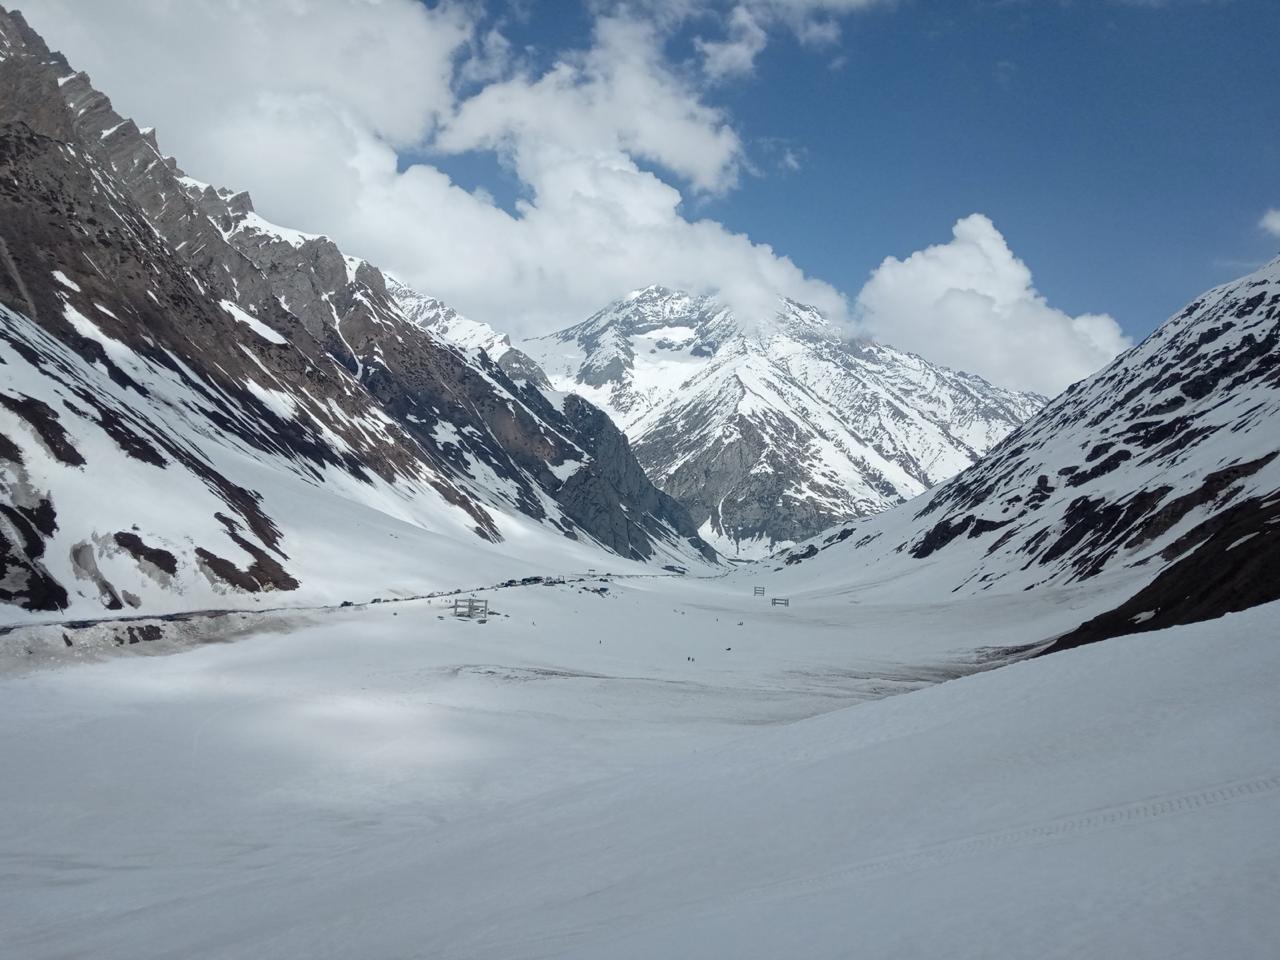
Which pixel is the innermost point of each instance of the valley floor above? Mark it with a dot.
(668, 768)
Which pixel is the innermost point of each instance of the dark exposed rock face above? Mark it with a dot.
(27, 519)
(141, 308)
(1233, 568)
(614, 490)
(770, 430)
(1167, 462)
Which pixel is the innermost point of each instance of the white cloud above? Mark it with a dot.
(971, 304)
(617, 97)
(1270, 222)
(736, 54)
(306, 104)
(490, 58)
(597, 227)
(802, 15)
(732, 33)
(196, 63)
(748, 24)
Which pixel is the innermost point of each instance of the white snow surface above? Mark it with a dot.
(253, 323)
(251, 222)
(563, 781)
(66, 281)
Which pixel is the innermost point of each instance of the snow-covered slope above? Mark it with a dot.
(770, 429)
(199, 407)
(446, 323)
(1164, 466)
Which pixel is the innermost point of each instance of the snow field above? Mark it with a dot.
(564, 781)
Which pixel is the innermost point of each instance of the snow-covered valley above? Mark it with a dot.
(851, 654)
(563, 780)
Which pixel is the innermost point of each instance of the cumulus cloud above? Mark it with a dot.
(740, 29)
(735, 55)
(616, 97)
(388, 64)
(1270, 222)
(971, 304)
(312, 104)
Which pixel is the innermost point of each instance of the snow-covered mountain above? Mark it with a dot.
(770, 429)
(1161, 472)
(198, 406)
(447, 324)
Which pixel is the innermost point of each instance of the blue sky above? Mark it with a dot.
(1125, 150)
(1016, 188)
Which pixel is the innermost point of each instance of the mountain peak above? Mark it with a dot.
(654, 291)
(677, 315)
(770, 428)
(447, 324)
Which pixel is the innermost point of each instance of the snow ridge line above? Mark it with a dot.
(1063, 828)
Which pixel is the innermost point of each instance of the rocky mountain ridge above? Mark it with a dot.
(158, 335)
(447, 324)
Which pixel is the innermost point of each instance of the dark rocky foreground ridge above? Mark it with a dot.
(176, 371)
(1162, 469)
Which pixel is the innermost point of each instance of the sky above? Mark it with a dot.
(1017, 188)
